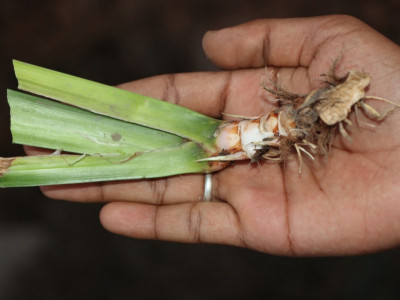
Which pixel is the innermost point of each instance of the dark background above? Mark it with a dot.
(58, 250)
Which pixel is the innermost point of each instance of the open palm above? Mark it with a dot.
(345, 204)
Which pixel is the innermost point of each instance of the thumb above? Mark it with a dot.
(275, 42)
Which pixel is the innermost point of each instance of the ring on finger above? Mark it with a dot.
(207, 187)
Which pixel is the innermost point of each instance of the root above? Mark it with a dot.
(331, 77)
(282, 95)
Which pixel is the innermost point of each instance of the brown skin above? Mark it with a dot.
(348, 204)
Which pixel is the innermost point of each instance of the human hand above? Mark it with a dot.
(347, 204)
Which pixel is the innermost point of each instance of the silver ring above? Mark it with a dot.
(207, 187)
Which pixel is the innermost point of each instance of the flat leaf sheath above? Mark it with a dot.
(49, 124)
(118, 103)
(67, 169)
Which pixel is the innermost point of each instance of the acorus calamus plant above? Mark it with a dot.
(103, 133)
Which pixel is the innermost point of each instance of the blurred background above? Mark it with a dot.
(58, 250)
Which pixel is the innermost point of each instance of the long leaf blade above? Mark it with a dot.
(67, 169)
(48, 124)
(117, 103)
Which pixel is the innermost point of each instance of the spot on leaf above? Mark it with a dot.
(116, 137)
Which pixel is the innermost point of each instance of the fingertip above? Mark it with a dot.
(210, 39)
(108, 216)
(129, 219)
(209, 35)
(206, 42)
(239, 46)
(116, 217)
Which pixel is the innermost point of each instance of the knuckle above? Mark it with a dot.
(194, 223)
(224, 92)
(170, 92)
(159, 188)
(101, 192)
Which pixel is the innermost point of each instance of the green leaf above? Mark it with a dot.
(48, 124)
(118, 103)
(66, 169)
